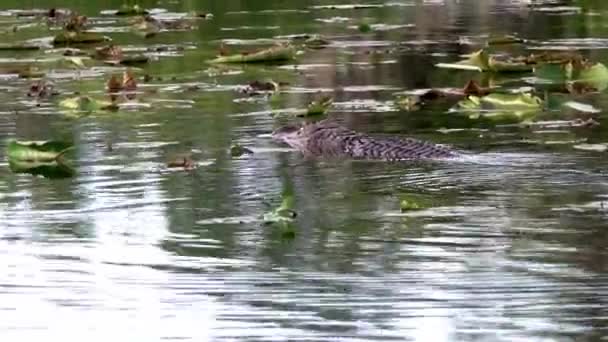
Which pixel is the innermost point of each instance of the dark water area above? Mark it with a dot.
(512, 247)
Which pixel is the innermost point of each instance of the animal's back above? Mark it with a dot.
(332, 139)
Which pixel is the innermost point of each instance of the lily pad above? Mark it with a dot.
(319, 107)
(272, 54)
(39, 158)
(575, 75)
(502, 106)
(87, 104)
(73, 37)
(237, 150)
(126, 10)
(283, 214)
(483, 62)
(19, 47)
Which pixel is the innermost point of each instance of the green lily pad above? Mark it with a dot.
(73, 37)
(19, 47)
(86, 104)
(483, 62)
(283, 214)
(129, 60)
(273, 54)
(502, 106)
(579, 76)
(39, 158)
(131, 10)
(237, 150)
(319, 107)
(505, 40)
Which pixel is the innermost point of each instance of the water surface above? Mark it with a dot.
(513, 247)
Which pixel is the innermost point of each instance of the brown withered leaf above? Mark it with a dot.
(472, 88)
(114, 84)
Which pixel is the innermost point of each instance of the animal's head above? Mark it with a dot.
(290, 135)
(297, 136)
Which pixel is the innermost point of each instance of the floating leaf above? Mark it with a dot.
(272, 54)
(364, 27)
(237, 150)
(39, 158)
(406, 205)
(71, 37)
(131, 10)
(482, 61)
(595, 75)
(86, 104)
(77, 61)
(579, 77)
(504, 40)
(592, 147)
(319, 107)
(501, 106)
(283, 214)
(414, 201)
(19, 47)
(182, 161)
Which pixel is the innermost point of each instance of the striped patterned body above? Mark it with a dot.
(330, 139)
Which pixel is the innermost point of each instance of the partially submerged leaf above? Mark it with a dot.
(261, 87)
(18, 47)
(592, 147)
(37, 151)
(482, 61)
(502, 106)
(41, 89)
(52, 170)
(319, 107)
(237, 150)
(504, 40)
(86, 104)
(182, 161)
(131, 10)
(579, 77)
(72, 37)
(272, 54)
(283, 214)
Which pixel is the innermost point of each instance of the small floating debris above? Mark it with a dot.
(272, 54)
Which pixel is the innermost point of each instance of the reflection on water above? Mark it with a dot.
(512, 248)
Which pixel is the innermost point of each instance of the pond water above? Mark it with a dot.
(512, 246)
